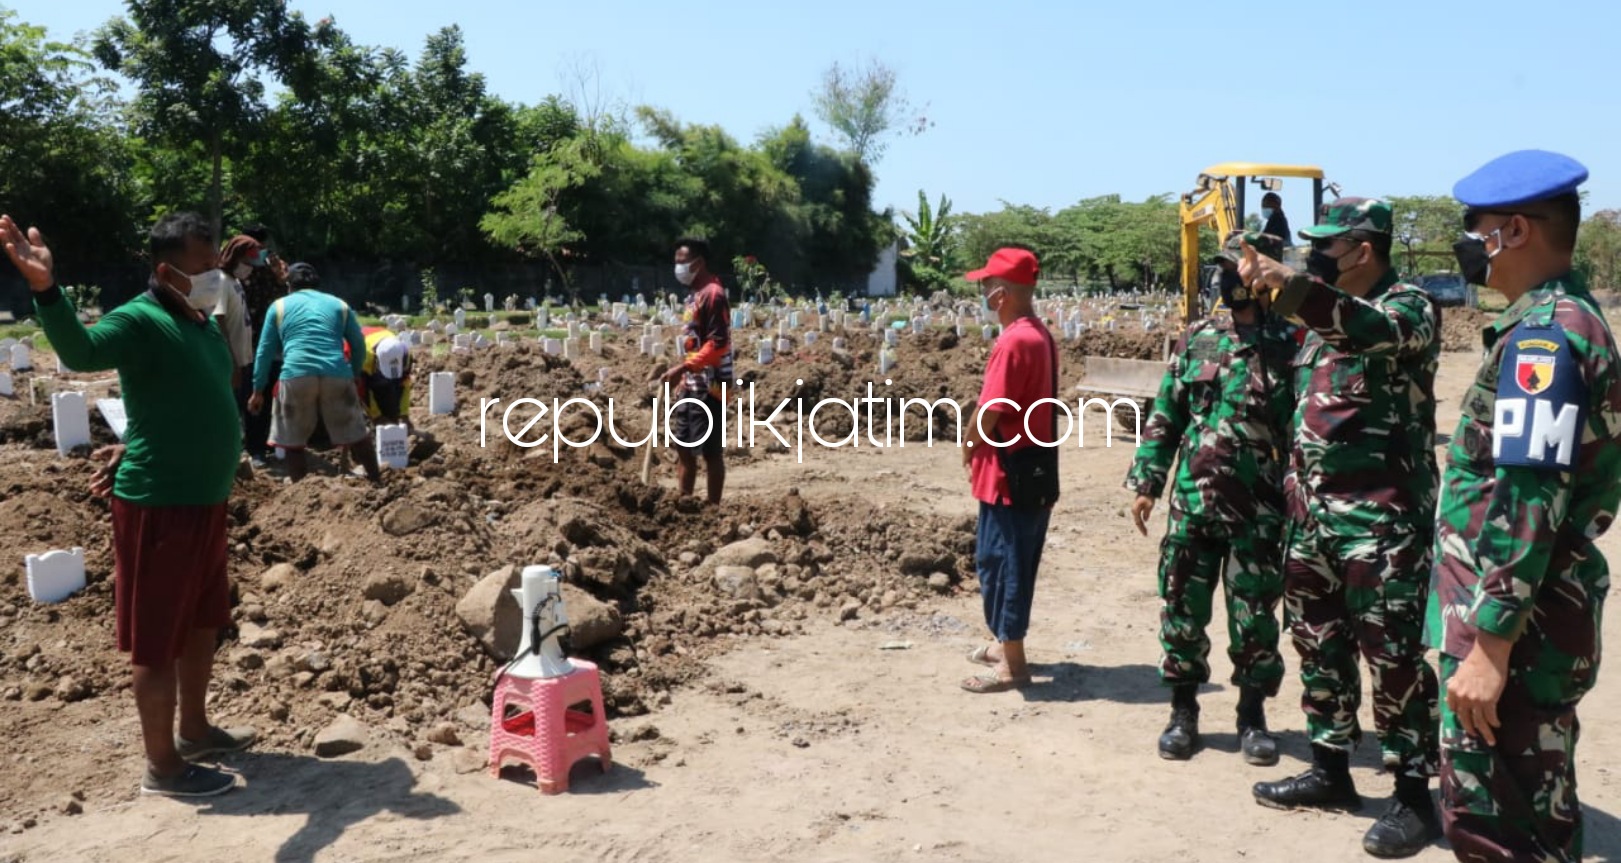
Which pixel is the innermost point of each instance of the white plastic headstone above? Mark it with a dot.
(529, 303)
(112, 410)
(596, 343)
(793, 320)
(838, 343)
(765, 352)
(571, 349)
(71, 418)
(989, 332)
(461, 342)
(461, 318)
(481, 341)
(489, 302)
(6, 344)
(392, 446)
(659, 350)
(19, 358)
(441, 393)
(810, 337)
(553, 346)
(55, 575)
(5, 384)
(543, 317)
(504, 339)
(452, 329)
(784, 346)
(886, 361)
(891, 338)
(573, 329)
(647, 345)
(436, 327)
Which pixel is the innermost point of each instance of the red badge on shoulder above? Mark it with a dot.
(1533, 373)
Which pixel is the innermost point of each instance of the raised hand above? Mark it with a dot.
(29, 254)
(1261, 273)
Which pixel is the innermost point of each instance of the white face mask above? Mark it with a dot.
(684, 274)
(206, 288)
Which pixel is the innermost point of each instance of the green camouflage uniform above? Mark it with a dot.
(1361, 488)
(1222, 414)
(1516, 558)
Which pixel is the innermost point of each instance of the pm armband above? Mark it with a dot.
(1541, 401)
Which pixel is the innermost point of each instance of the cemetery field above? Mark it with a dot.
(780, 672)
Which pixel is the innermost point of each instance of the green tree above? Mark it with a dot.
(1426, 226)
(529, 217)
(863, 105)
(69, 167)
(1598, 250)
(931, 241)
(200, 67)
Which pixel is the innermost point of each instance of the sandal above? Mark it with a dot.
(986, 683)
(981, 655)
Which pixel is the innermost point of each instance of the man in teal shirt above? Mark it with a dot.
(168, 487)
(309, 328)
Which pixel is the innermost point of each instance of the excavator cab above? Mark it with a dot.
(1218, 200)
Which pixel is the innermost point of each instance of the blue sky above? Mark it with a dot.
(1046, 103)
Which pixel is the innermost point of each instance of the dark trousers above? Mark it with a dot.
(256, 428)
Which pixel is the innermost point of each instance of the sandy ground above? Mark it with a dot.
(828, 747)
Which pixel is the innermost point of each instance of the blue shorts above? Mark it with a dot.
(1007, 555)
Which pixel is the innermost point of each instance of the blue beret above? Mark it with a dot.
(1520, 178)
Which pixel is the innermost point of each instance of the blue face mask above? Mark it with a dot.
(1266, 214)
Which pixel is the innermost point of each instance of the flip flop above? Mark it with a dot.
(981, 655)
(991, 683)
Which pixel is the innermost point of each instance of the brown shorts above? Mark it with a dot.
(302, 402)
(169, 566)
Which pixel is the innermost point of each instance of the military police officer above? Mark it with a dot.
(1223, 414)
(1533, 478)
(1361, 489)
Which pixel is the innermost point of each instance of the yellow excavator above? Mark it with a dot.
(1218, 200)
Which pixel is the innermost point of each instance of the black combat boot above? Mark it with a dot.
(1181, 736)
(1327, 785)
(1408, 825)
(1259, 747)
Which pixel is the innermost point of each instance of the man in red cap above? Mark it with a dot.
(1011, 453)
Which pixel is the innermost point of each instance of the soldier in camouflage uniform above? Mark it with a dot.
(1533, 479)
(1361, 490)
(1223, 414)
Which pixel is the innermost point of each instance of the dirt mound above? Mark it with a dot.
(1461, 329)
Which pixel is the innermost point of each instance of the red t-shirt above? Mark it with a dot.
(1020, 370)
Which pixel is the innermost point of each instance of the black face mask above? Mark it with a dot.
(1324, 267)
(1473, 260)
(1233, 293)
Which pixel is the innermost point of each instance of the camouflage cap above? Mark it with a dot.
(1351, 214)
(1266, 244)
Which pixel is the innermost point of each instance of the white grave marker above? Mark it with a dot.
(71, 417)
(765, 352)
(489, 303)
(392, 446)
(571, 348)
(112, 410)
(461, 342)
(55, 575)
(19, 358)
(596, 343)
(5, 384)
(441, 393)
(553, 346)
(461, 318)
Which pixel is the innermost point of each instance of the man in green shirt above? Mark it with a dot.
(168, 486)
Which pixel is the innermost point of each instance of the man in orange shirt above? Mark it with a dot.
(706, 343)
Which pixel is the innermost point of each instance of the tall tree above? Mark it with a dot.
(529, 216)
(1426, 227)
(863, 105)
(199, 67)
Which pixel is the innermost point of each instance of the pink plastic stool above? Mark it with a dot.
(547, 735)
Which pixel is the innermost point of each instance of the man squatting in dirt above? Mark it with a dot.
(168, 484)
(1361, 490)
(1533, 479)
(1222, 414)
(706, 345)
(1022, 370)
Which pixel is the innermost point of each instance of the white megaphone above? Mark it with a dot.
(541, 602)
